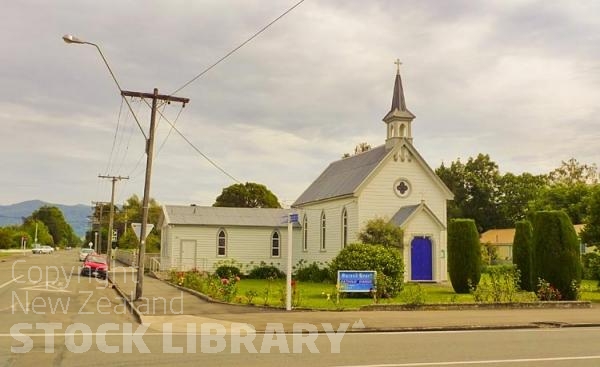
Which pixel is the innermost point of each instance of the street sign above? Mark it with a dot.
(294, 218)
(137, 228)
(114, 235)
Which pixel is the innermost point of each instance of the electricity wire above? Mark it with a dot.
(237, 48)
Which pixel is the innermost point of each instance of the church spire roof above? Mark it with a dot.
(398, 108)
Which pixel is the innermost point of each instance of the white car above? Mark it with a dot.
(84, 252)
(42, 250)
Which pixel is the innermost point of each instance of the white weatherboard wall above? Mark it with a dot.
(333, 214)
(195, 246)
(377, 197)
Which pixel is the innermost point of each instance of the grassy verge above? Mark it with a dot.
(324, 296)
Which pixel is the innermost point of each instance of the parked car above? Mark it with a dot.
(42, 250)
(84, 252)
(94, 265)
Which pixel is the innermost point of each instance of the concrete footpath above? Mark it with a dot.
(163, 303)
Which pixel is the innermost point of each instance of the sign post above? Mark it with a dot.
(288, 279)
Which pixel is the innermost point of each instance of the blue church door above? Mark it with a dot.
(421, 259)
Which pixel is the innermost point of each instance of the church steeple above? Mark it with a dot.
(399, 119)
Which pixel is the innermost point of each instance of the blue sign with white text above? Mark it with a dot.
(356, 280)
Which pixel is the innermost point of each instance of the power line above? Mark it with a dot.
(237, 48)
(196, 149)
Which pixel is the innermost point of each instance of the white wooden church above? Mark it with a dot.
(391, 181)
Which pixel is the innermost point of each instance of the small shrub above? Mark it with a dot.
(311, 273)
(591, 266)
(546, 292)
(227, 271)
(413, 295)
(501, 284)
(264, 271)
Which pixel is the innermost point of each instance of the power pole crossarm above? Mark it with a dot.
(162, 97)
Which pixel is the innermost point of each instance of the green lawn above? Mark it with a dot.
(323, 295)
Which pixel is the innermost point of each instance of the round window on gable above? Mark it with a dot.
(402, 188)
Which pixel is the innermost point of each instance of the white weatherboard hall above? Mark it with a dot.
(391, 181)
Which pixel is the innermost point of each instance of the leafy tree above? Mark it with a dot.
(379, 231)
(572, 172)
(475, 185)
(6, 235)
(590, 235)
(523, 254)
(43, 233)
(61, 231)
(572, 199)
(386, 261)
(464, 254)
(248, 195)
(556, 252)
(515, 194)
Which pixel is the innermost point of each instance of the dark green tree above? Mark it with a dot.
(523, 254)
(464, 254)
(379, 231)
(475, 185)
(61, 231)
(248, 195)
(515, 193)
(570, 198)
(556, 252)
(590, 235)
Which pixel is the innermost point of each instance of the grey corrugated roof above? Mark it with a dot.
(219, 216)
(343, 177)
(403, 214)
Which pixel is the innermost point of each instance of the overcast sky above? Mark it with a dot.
(519, 80)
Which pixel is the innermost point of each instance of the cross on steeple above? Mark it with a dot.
(398, 63)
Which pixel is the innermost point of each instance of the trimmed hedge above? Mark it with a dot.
(464, 255)
(523, 254)
(386, 261)
(264, 271)
(556, 252)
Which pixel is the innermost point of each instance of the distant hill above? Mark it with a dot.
(75, 215)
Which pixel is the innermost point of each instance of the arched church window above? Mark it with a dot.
(275, 244)
(221, 243)
(305, 233)
(344, 227)
(323, 232)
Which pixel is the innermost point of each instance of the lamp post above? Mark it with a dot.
(149, 151)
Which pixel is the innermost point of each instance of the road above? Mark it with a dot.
(49, 316)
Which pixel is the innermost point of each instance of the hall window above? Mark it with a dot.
(275, 244)
(221, 243)
(323, 232)
(344, 228)
(305, 233)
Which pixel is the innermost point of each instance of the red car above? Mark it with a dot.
(94, 265)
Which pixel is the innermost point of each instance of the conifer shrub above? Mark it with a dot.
(386, 261)
(556, 252)
(464, 254)
(523, 254)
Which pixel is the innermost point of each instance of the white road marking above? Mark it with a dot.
(491, 361)
(48, 287)
(12, 280)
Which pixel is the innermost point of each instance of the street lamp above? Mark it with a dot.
(69, 38)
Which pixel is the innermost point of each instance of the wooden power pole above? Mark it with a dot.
(149, 153)
(111, 217)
